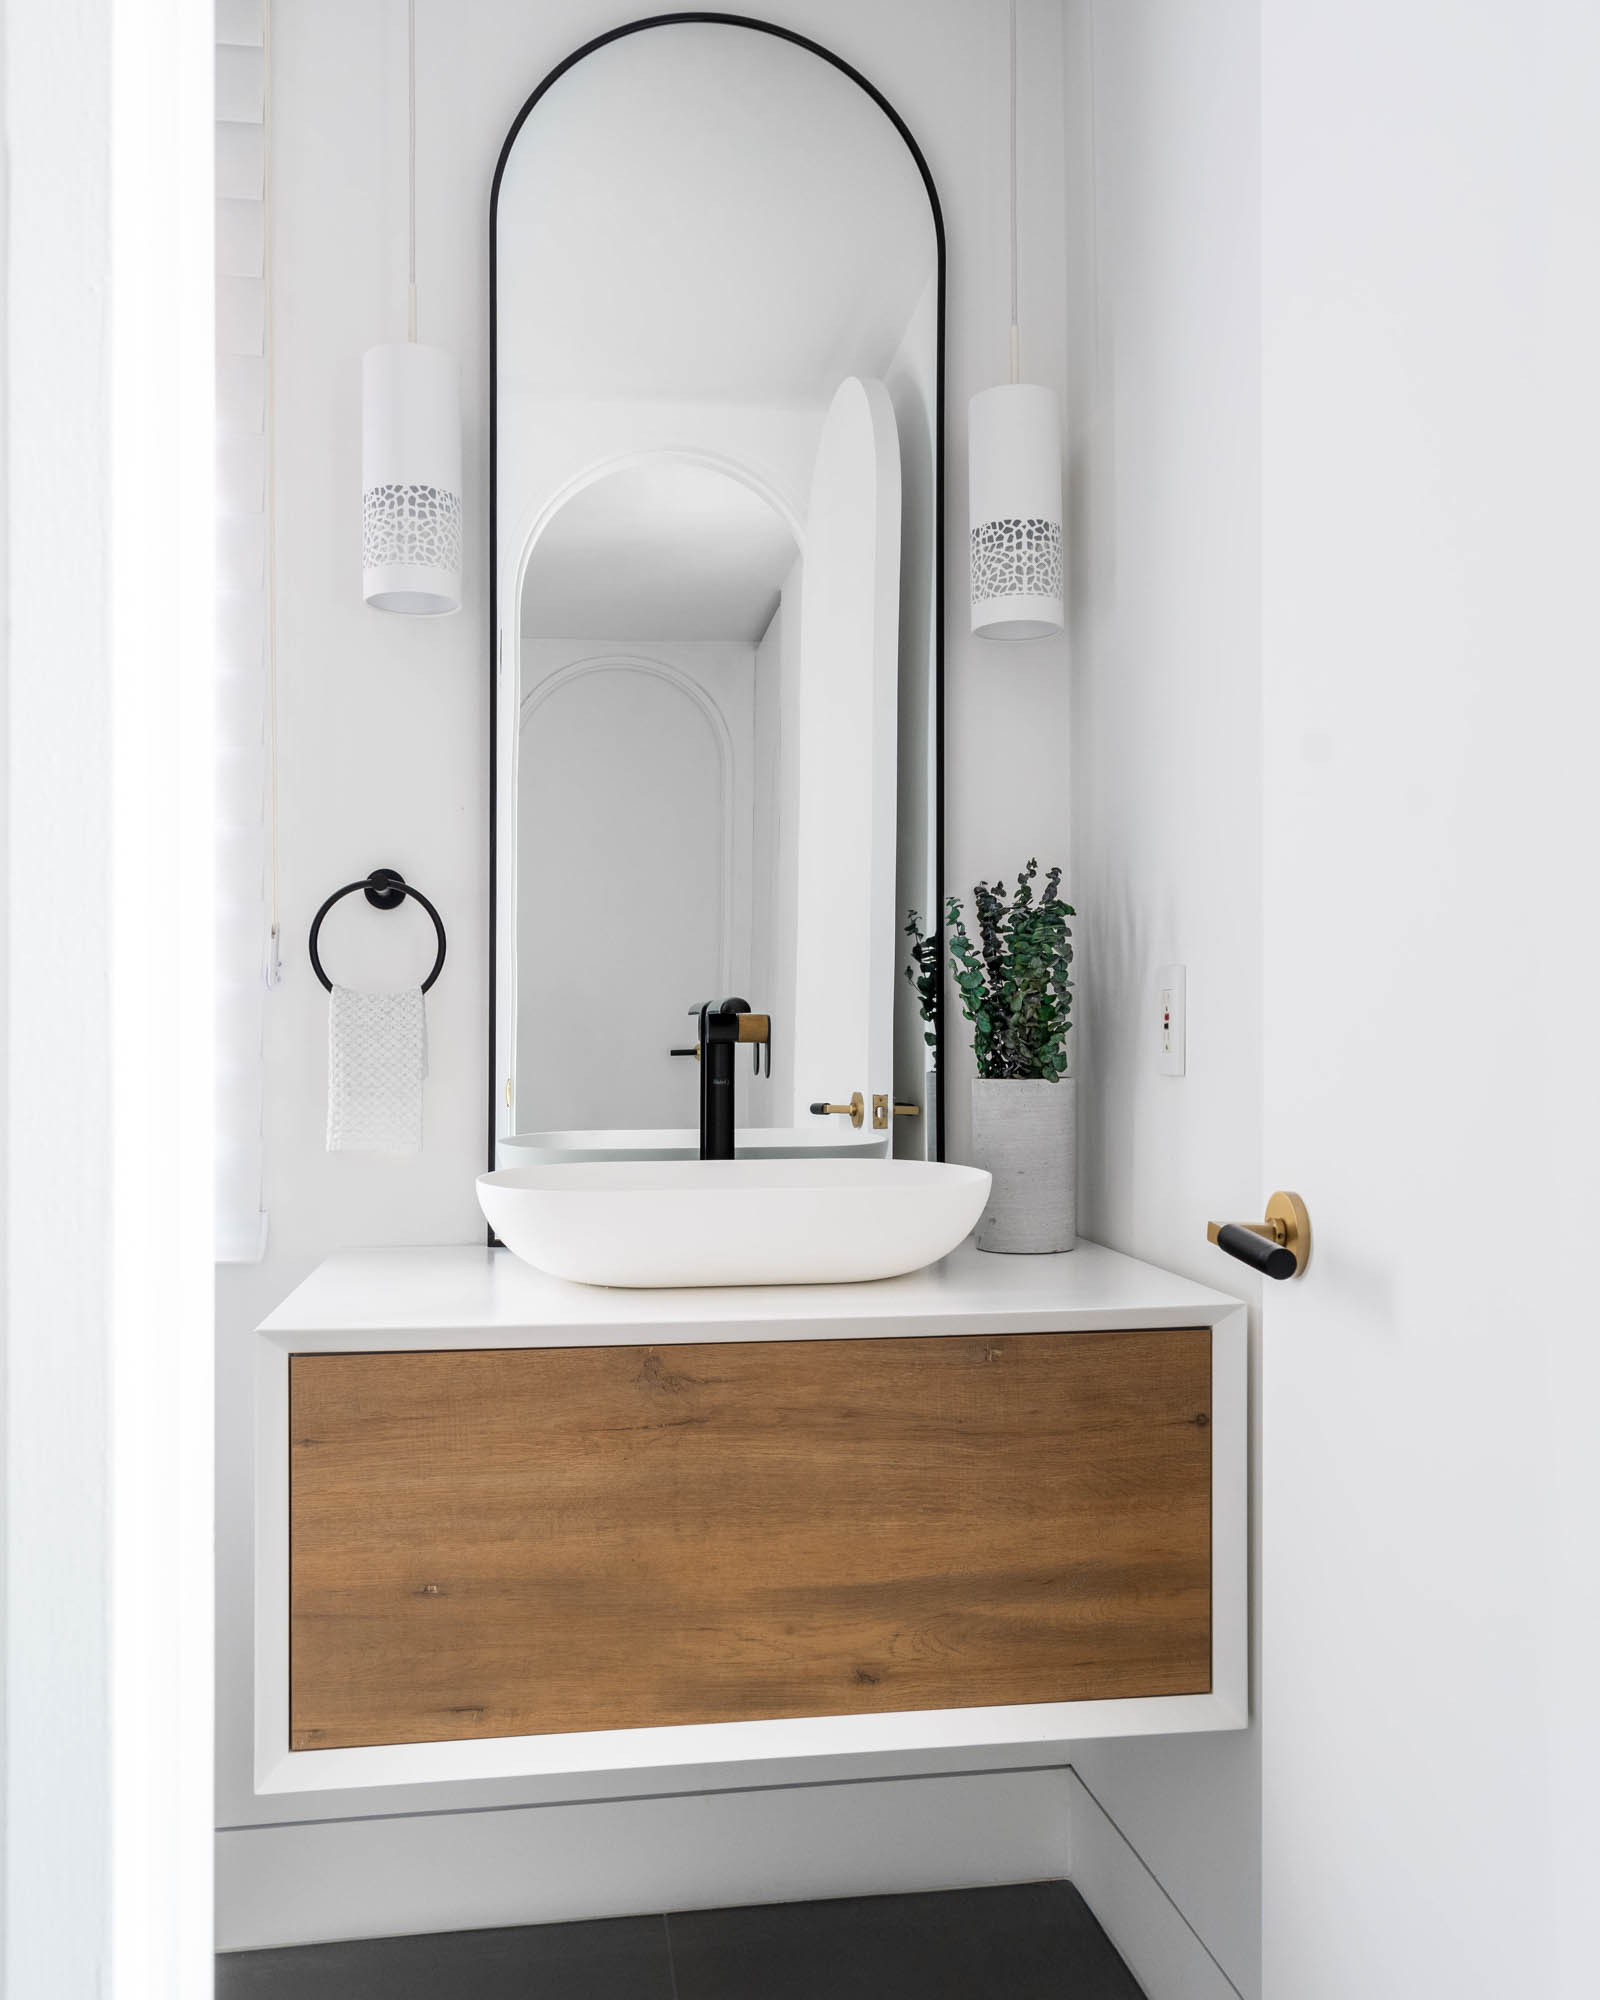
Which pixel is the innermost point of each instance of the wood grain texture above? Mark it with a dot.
(519, 1541)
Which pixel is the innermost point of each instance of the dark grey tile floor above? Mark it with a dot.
(1034, 1942)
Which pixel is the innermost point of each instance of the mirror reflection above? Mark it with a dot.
(716, 364)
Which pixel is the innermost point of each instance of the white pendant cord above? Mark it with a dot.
(1016, 344)
(411, 511)
(411, 170)
(274, 965)
(1014, 463)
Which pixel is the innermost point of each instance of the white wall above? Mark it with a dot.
(1164, 189)
(384, 720)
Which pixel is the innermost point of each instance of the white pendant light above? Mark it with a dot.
(1014, 483)
(411, 447)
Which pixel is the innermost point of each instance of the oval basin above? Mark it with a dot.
(754, 1142)
(733, 1222)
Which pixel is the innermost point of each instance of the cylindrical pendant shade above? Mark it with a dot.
(410, 480)
(1014, 486)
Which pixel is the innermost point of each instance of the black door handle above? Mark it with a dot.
(1261, 1253)
(1280, 1247)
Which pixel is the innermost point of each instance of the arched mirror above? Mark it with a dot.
(717, 302)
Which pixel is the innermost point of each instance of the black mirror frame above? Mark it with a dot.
(883, 104)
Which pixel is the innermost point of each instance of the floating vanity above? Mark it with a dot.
(508, 1525)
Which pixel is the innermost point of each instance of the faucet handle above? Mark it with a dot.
(757, 1029)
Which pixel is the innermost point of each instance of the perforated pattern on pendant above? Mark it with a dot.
(1016, 558)
(410, 527)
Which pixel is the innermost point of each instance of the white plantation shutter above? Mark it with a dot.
(243, 804)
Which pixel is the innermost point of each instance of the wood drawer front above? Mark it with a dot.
(518, 1541)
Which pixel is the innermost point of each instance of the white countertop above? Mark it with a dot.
(460, 1296)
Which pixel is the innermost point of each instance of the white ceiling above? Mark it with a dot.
(663, 550)
(701, 211)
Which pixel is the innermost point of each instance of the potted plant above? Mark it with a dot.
(1015, 991)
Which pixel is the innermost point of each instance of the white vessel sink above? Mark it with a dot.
(733, 1222)
(827, 1139)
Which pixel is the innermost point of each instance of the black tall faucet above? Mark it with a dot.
(721, 1028)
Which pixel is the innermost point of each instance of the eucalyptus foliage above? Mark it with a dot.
(922, 974)
(1013, 985)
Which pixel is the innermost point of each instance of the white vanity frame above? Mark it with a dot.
(459, 1298)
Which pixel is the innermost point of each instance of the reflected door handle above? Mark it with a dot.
(855, 1110)
(882, 1108)
(1280, 1247)
(684, 1052)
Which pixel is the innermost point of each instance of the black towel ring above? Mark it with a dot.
(385, 889)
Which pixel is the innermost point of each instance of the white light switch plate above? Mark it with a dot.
(1169, 1019)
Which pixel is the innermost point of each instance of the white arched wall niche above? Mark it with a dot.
(708, 673)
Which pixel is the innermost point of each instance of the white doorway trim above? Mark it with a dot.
(105, 1130)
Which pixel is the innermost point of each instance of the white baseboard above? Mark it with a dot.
(316, 1881)
(1159, 1946)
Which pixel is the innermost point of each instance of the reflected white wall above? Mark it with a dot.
(633, 897)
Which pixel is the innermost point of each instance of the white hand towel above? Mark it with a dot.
(377, 1059)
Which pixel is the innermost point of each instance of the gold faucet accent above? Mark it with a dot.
(855, 1110)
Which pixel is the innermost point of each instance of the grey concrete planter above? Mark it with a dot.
(1026, 1134)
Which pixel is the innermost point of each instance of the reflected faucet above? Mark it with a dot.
(721, 1029)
